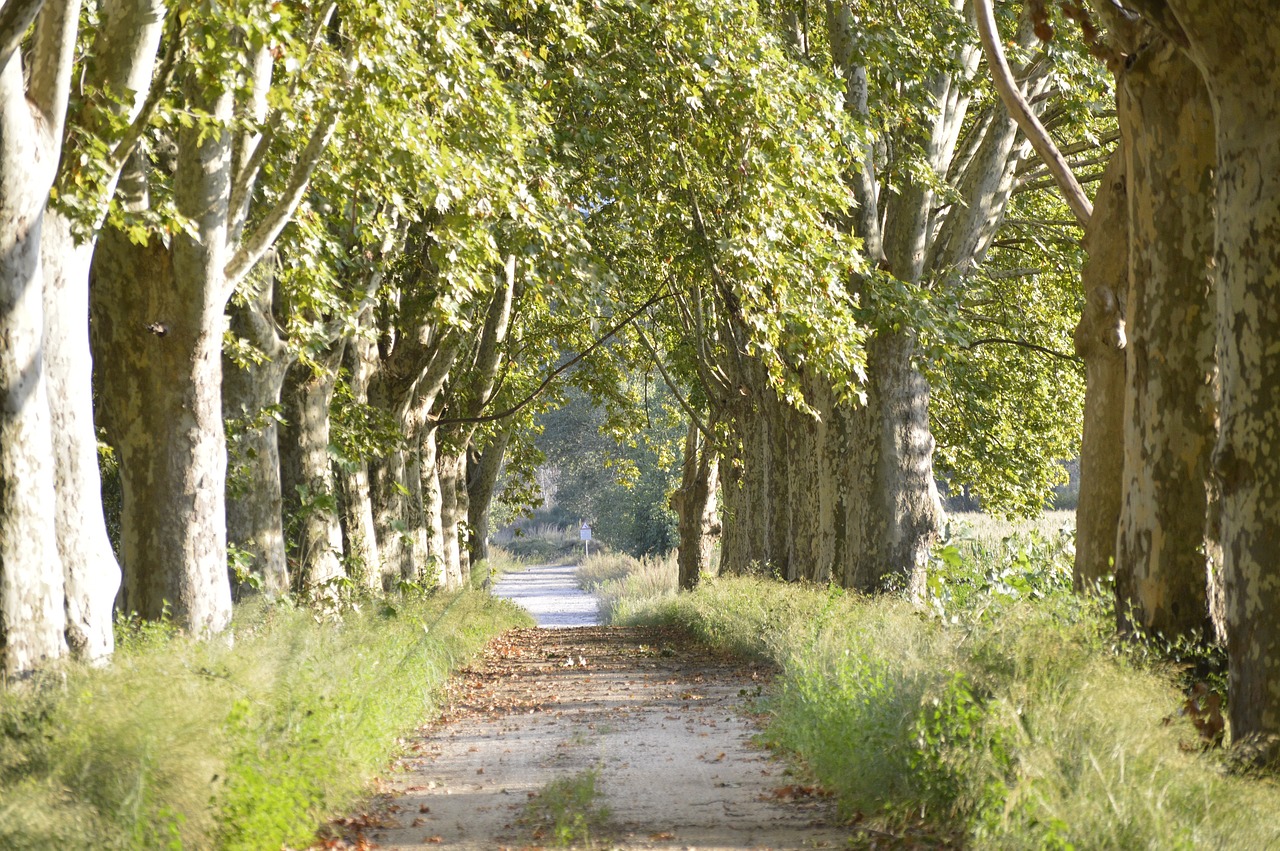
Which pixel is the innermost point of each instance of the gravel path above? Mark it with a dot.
(551, 594)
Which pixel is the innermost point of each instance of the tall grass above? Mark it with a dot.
(627, 586)
(189, 744)
(998, 713)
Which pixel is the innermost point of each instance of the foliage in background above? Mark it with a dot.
(616, 465)
(531, 542)
(1000, 713)
(194, 744)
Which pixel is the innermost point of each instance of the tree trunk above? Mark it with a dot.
(359, 534)
(451, 472)
(391, 491)
(90, 568)
(1167, 123)
(752, 496)
(306, 474)
(395, 488)
(32, 615)
(482, 478)
(121, 62)
(158, 322)
(251, 396)
(435, 566)
(1234, 46)
(695, 506)
(808, 530)
(893, 510)
(1100, 342)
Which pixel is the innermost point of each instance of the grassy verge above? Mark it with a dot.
(187, 744)
(499, 562)
(625, 586)
(999, 714)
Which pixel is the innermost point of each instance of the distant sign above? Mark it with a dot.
(585, 532)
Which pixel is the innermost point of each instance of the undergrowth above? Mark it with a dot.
(219, 744)
(998, 712)
(543, 543)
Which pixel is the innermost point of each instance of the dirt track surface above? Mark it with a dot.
(551, 594)
(660, 720)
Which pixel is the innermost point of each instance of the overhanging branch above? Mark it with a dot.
(1024, 345)
(558, 371)
(1021, 112)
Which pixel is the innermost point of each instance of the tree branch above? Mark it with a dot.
(16, 17)
(1025, 345)
(257, 244)
(248, 174)
(567, 365)
(52, 56)
(1159, 15)
(164, 76)
(671, 385)
(1021, 112)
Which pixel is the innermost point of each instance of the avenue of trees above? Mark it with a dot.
(303, 277)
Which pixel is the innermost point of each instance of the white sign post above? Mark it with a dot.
(585, 534)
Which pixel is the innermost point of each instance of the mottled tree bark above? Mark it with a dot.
(695, 505)
(251, 396)
(451, 476)
(359, 534)
(894, 514)
(1234, 47)
(482, 478)
(90, 570)
(435, 569)
(1100, 340)
(158, 323)
(121, 61)
(32, 615)
(306, 473)
(1170, 427)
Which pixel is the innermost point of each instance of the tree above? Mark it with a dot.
(1233, 46)
(1147, 520)
(113, 97)
(159, 344)
(933, 180)
(1162, 572)
(714, 186)
(32, 114)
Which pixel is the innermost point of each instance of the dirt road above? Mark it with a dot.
(659, 721)
(659, 724)
(551, 594)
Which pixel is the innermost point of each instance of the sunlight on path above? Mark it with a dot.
(551, 594)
